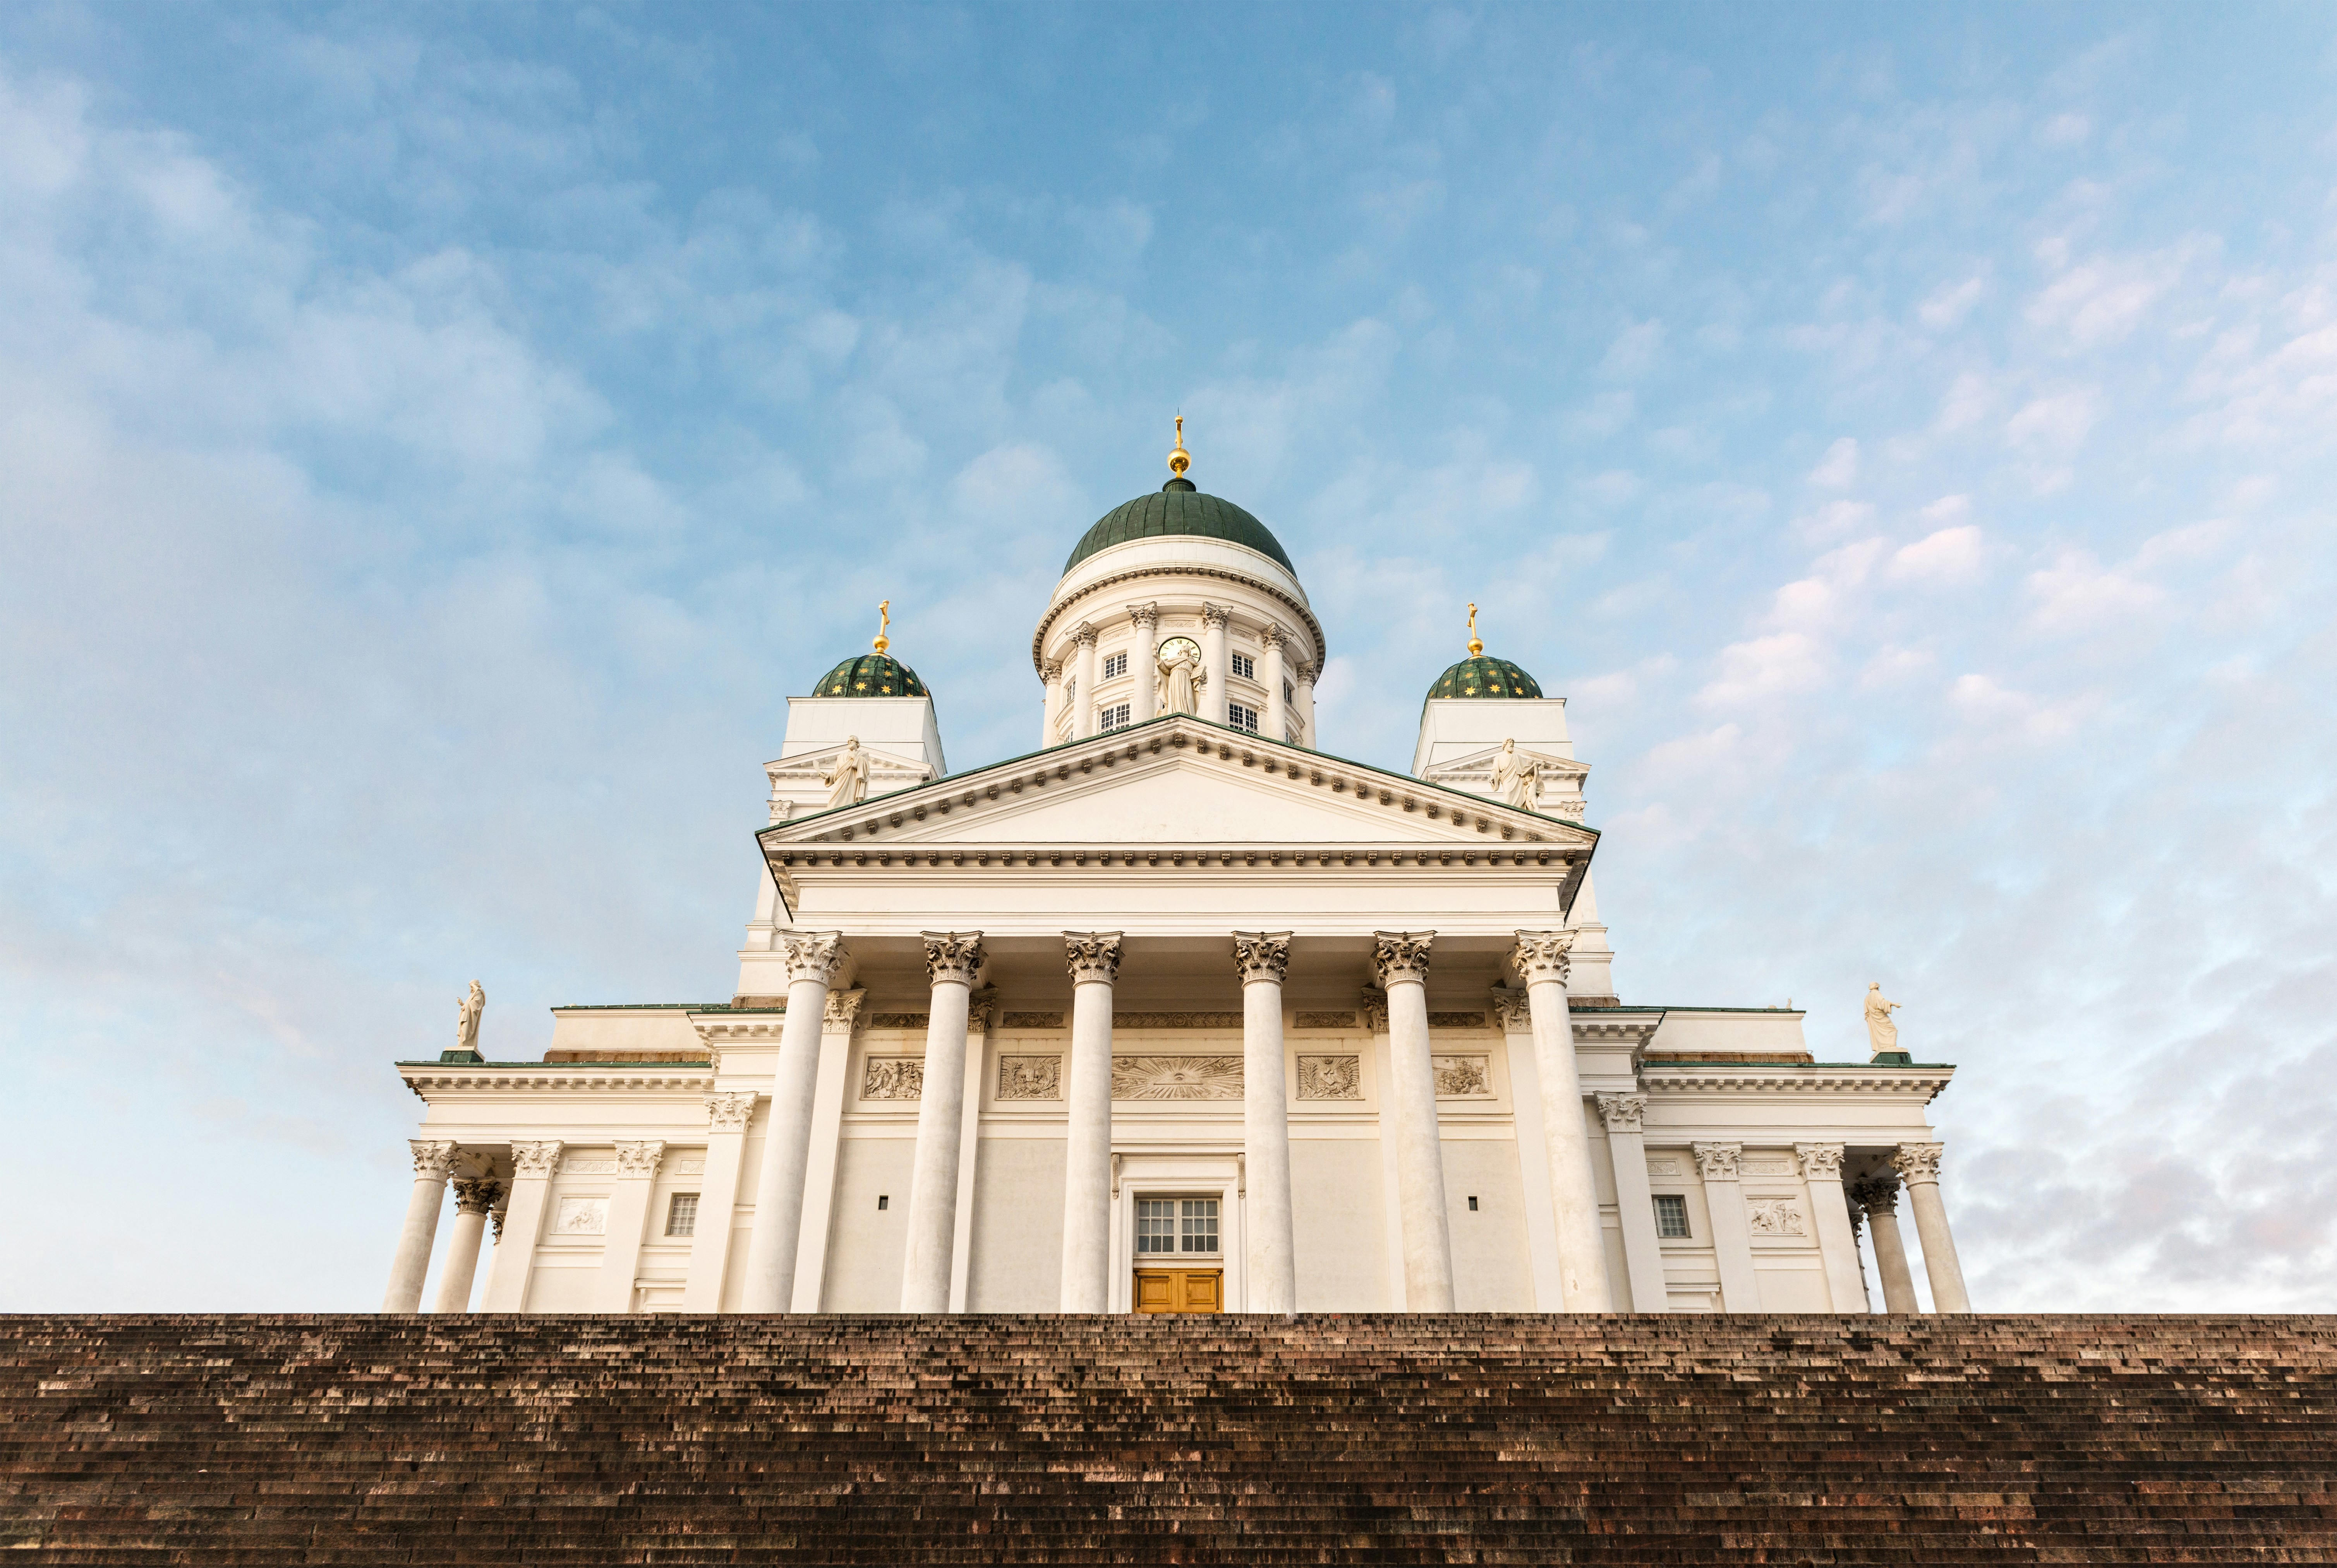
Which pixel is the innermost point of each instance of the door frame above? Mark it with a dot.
(1186, 1174)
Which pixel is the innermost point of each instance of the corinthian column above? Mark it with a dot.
(1830, 1212)
(1052, 672)
(1540, 960)
(473, 1200)
(434, 1159)
(1212, 703)
(1144, 662)
(1095, 960)
(1879, 1197)
(1919, 1167)
(1625, 1117)
(1721, 1168)
(1278, 709)
(1083, 695)
(533, 1164)
(1402, 960)
(953, 959)
(813, 959)
(1263, 958)
(728, 1113)
(629, 1221)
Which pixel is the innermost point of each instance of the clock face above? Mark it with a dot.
(1180, 645)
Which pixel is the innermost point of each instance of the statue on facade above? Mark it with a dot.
(467, 1015)
(1879, 1027)
(1517, 781)
(1179, 674)
(847, 781)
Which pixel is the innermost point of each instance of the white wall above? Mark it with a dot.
(1017, 1260)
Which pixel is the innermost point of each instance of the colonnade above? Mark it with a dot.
(1561, 1162)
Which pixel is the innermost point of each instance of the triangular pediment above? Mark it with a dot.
(1178, 782)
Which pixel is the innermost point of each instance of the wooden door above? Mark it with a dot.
(1180, 1290)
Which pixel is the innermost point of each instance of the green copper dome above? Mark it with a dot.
(870, 674)
(1176, 508)
(1485, 677)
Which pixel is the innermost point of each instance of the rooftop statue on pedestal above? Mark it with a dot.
(1517, 781)
(847, 781)
(1881, 1032)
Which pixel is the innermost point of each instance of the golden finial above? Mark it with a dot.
(1476, 647)
(884, 626)
(1180, 460)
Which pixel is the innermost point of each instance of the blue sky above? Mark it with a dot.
(435, 443)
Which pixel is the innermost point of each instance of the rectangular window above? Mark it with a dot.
(1241, 717)
(1112, 717)
(1671, 1215)
(1200, 1219)
(1289, 693)
(1244, 666)
(1156, 1224)
(681, 1215)
(1114, 665)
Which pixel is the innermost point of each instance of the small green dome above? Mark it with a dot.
(1176, 508)
(870, 674)
(1485, 677)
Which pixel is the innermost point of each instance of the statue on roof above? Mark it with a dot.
(847, 781)
(1880, 1029)
(1515, 780)
(466, 1019)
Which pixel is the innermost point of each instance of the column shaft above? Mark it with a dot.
(1837, 1243)
(1540, 958)
(1273, 1249)
(1919, 1167)
(1212, 703)
(1732, 1235)
(472, 1200)
(1306, 706)
(1634, 1204)
(533, 1164)
(1879, 1197)
(1052, 673)
(1144, 663)
(1277, 711)
(1083, 699)
(434, 1159)
(1403, 958)
(952, 958)
(629, 1221)
(812, 964)
(1087, 1152)
(727, 1115)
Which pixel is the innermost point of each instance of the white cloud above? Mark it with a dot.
(1949, 557)
(2057, 423)
(1767, 667)
(1634, 351)
(1838, 470)
(2078, 594)
(1968, 401)
(1947, 305)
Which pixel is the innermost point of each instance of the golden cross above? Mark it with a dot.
(884, 626)
(1476, 647)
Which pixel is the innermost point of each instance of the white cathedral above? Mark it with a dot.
(1180, 1012)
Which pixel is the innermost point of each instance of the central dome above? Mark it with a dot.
(1176, 508)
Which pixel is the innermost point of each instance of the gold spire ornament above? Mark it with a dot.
(884, 626)
(1476, 647)
(1180, 460)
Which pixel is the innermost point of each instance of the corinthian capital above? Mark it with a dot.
(1374, 1003)
(1875, 1194)
(1085, 634)
(1542, 956)
(1274, 636)
(1093, 957)
(1820, 1162)
(1917, 1162)
(640, 1160)
(477, 1197)
(432, 1157)
(1622, 1113)
(1051, 670)
(1398, 956)
(843, 1010)
(1144, 614)
(813, 955)
(1514, 1011)
(730, 1110)
(537, 1160)
(1215, 614)
(1717, 1162)
(1262, 955)
(954, 956)
(979, 1008)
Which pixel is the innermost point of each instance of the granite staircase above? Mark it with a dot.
(1475, 1439)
